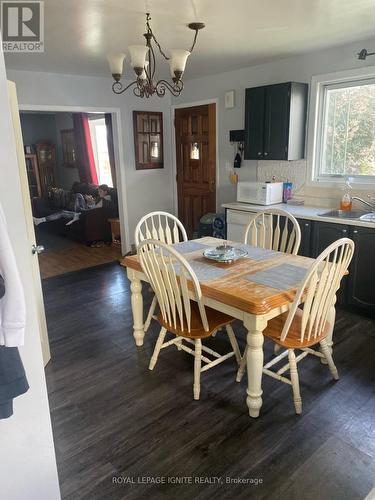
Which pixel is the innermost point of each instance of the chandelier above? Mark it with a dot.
(143, 64)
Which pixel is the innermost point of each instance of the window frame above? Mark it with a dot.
(315, 139)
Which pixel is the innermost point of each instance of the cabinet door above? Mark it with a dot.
(323, 234)
(276, 123)
(361, 282)
(254, 123)
(305, 246)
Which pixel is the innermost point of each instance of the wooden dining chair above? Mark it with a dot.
(304, 328)
(173, 280)
(160, 226)
(274, 229)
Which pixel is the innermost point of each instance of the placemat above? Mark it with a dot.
(256, 253)
(280, 277)
(206, 272)
(189, 246)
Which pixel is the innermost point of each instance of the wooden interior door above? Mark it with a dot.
(195, 129)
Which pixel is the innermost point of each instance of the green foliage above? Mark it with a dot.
(349, 146)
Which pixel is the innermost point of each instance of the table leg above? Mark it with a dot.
(137, 307)
(255, 326)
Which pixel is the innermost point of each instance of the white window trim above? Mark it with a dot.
(315, 122)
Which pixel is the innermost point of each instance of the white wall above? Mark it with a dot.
(299, 68)
(146, 190)
(27, 459)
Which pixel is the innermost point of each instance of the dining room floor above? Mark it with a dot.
(124, 432)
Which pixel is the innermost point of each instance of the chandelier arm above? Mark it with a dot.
(175, 89)
(152, 55)
(118, 88)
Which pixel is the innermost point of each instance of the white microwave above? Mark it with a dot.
(260, 193)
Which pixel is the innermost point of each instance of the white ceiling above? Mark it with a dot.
(238, 33)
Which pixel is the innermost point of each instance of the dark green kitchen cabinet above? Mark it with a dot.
(323, 234)
(361, 282)
(275, 121)
(305, 246)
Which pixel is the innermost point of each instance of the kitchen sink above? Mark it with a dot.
(348, 214)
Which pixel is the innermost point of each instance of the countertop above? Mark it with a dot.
(300, 212)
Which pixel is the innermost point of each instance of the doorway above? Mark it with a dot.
(195, 135)
(68, 156)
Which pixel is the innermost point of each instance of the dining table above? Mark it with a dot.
(253, 289)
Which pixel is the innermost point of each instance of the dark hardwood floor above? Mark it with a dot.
(113, 418)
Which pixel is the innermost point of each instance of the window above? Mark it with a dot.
(345, 144)
(98, 132)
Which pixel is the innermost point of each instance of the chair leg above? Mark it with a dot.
(150, 314)
(197, 368)
(233, 343)
(179, 344)
(158, 345)
(276, 349)
(295, 381)
(242, 368)
(325, 349)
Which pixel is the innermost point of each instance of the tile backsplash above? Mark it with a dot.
(296, 172)
(293, 171)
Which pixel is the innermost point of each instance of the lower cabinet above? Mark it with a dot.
(325, 233)
(361, 282)
(357, 289)
(305, 226)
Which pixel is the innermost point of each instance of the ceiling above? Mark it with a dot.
(238, 33)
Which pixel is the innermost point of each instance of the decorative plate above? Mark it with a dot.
(233, 255)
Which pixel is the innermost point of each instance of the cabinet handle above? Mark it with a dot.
(307, 224)
(266, 154)
(259, 153)
(344, 231)
(355, 232)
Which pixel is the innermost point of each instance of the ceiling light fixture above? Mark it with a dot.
(143, 64)
(363, 54)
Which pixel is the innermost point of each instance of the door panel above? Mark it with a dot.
(254, 123)
(325, 233)
(38, 294)
(277, 121)
(362, 270)
(305, 246)
(196, 163)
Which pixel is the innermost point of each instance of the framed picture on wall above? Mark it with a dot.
(68, 148)
(148, 139)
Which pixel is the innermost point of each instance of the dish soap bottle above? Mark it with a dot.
(346, 200)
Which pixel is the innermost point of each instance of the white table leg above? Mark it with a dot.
(137, 307)
(255, 326)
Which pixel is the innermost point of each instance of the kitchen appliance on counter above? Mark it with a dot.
(260, 193)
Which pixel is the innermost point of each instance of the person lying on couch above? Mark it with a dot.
(81, 203)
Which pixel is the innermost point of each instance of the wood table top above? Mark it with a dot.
(233, 287)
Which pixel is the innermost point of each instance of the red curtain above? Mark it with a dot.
(84, 152)
(111, 151)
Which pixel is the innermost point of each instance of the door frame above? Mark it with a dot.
(192, 104)
(119, 156)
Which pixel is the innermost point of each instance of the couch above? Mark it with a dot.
(92, 225)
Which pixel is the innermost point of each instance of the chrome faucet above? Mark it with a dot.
(365, 202)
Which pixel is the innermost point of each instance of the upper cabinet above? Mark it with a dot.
(275, 120)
